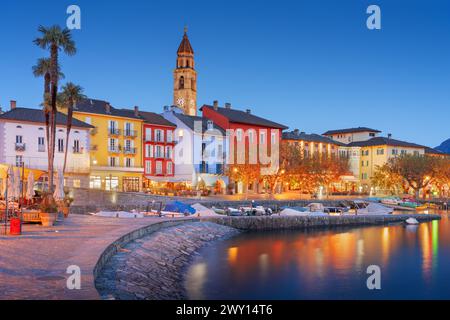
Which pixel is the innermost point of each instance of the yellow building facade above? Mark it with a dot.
(116, 146)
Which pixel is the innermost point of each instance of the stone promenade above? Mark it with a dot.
(33, 266)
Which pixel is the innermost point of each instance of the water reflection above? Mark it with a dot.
(327, 264)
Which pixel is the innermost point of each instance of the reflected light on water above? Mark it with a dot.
(232, 255)
(263, 265)
(195, 281)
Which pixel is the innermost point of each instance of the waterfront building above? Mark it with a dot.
(377, 151)
(352, 134)
(23, 141)
(251, 138)
(200, 150)
(116, 145)
(158, 149)
(185, 78)
(315, 145)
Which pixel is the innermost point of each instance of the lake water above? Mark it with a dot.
(327, 264)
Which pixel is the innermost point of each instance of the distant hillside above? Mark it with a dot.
(445, 146)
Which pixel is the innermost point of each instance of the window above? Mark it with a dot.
(128, 145)
(371, 134)
(112, 145)
(19, 139)
(273, 137)
(130, 184)
(403, 152)
(394, 151)
(60, 145)
(158, 167)
(148, 166)
(159, 135)
(181, 83)
(128, 162)
(148, 134)
(113, 127)
(128, 129)
(149, 151)
(251, 136)
(95, 182)
(19, 161)
(219, 151)
(239, 134)
(113, 161)
(76, 183)
(41, 144)
(112, 183)
(169, 136)
(362, 163)
(159, 152)
(416, 153)
(262, 138)
(169, 168)
(76, 146)
(169, 152)
(380, 151)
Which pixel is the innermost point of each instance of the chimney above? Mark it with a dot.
(13, 104)
(1, 110)
(216, 105)
(296, 132)
(166, 108)
(228, 105)
(108, 107)
(136, 111)
(389, 135)
(248, 111)
(210, 125)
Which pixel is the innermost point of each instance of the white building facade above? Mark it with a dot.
(23, 141)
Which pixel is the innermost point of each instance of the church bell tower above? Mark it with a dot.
(185, 78)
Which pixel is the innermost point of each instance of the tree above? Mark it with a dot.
(417, 171)
(245, 173)
(43, 69)
(54, 39)
(388, 180)
(71, 94)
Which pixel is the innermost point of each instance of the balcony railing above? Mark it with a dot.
(130, 150)
(130, 133)
(94, 131)
(114, 149)
(41, 148)
(113, 132)
(94, 147)
(20, 146)
(76, 150)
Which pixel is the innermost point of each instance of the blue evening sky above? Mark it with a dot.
(311, 65)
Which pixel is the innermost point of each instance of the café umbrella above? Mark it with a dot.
(17, 183)
(30, 186)
(58, 195)
(10, 184)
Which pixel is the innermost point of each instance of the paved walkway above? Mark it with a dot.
(33, 266)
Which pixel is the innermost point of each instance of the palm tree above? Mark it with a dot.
(54, 39)
(43, 69)
(70, 95)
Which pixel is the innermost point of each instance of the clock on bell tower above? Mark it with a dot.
(185, 78)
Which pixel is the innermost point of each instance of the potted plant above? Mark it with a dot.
(49, 211)
(66, 203)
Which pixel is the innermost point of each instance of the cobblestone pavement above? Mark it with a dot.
(152, 267)
(33, 265)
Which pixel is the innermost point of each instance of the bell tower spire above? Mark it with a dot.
(185, 78)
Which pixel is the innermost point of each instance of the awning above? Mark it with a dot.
(4, 170)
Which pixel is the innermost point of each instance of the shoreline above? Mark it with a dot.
(150, 263)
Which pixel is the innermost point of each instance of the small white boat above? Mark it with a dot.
(390, 201)
(288, 212)
(118, 214)
(412, 221)
(371, 208)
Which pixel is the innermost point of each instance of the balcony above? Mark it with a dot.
(76, 150)
(114, 149)
(113, 132)
(130, 133)
(20, 147)
(41, 148)
(94, 147)
(130, 150)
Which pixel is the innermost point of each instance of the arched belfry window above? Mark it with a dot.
(181, 86)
